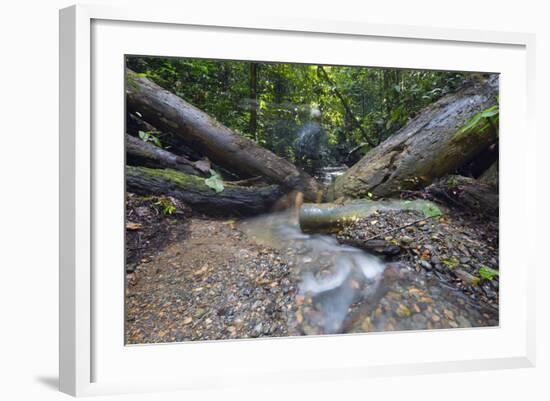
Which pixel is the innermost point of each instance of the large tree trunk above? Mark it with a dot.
(170, 113)
(141, 153)
(253, 124)
(192, 190)
(430, 146)
(467, 193)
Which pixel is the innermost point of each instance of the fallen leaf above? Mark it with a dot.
(187, 320)
(133, 226)
(415, 291)
(201, 270)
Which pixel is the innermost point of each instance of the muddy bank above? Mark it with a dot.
(215, 284)
(151, 223)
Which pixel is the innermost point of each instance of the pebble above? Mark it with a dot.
(426, 265)
(406, 240)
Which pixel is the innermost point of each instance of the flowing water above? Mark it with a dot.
(327, 175)
(343, 289)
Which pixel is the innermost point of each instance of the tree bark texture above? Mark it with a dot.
(430, 146)
(141, 153)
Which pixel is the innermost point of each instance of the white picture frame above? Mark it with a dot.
(94, 360)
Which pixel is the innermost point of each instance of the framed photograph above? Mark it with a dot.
(270, 199)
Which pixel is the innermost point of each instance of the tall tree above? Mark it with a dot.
(254, 101)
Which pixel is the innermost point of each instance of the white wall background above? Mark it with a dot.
(29, 188)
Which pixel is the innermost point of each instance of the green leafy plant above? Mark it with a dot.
(215, 181)
(482, 121)
(166, 205)
(149, 136)
(488, 273)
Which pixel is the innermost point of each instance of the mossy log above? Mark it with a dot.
(198, 130)
(467, 194)
(430, 146)
(330, 217)
(192, 190)
(141, 153)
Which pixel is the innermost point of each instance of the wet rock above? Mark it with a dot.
(463, 322)
(489, 292)
(406, 240)
(426, 265)
(467, 278)
(419, 320)
(403, 311)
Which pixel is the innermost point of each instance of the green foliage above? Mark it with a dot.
(166, 205)
(150, 136)
(482, 121)
(430, 210)
(451, 262)
(452, 183)
(215, 181)
(309, 117)
(487, 273)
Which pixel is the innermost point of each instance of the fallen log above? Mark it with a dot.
(141, 153)
(192, 190)
(134, 124)
(490, 176)
(466, 193)
(330, 217)
(432, 145)
(170, 113)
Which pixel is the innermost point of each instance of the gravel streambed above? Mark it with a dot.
(265, 278)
